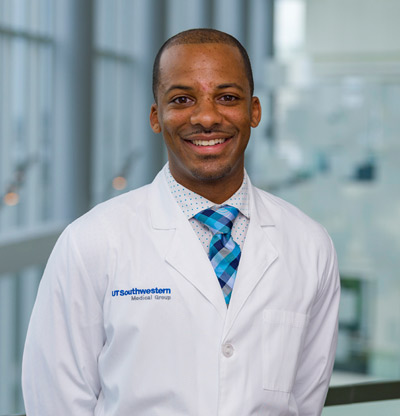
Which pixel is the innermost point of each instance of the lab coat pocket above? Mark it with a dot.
(282, 340)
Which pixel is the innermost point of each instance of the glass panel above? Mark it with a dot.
(26, 152)
(27, 16)
(191, 13)
(345, 175)
(335, 155)
(46, 18)
(125, 19)
(114, 76)
(45, 135)
(103, 129)
(4, 11)
(20, 14)
(113, 127)
(25, 139)
(106, 23)
(17, 295)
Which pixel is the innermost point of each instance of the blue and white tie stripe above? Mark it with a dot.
(224, 253)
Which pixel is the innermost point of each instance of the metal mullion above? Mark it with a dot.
(112, 142)
(33, 185)
(118, 61)
(108, 139)
(98, 149)
(46, 146)
(127, 105)
(105, 139)
(20, 128)
(98, 22)
(24, 34)
(200, 12)
(73, 108)
(97, 154)
(2, 112)
(128, 129)
(114, 55)
(5, 166)
(119, 148)
(126, 141)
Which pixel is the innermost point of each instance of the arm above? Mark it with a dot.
(65, 337)
(316, 363)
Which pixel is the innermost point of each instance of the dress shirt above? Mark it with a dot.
(192, 203)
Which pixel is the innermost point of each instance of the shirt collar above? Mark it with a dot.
(192, 203)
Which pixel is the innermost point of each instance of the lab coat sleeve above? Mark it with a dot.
(65, 334)
(316, 362)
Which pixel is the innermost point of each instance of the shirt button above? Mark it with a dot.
(227, 350)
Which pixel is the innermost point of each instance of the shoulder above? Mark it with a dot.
(97, 230)
(290, 219)
(300, 239)
(114, 211)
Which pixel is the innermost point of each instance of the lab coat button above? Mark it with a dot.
(227, 350)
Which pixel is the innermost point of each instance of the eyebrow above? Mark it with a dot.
(219, 87)
(178, 87)
(230, 85)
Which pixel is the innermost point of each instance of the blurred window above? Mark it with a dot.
(334, 153)
(26, 120)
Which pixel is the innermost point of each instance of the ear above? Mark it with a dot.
(255, 111)
(154, 123)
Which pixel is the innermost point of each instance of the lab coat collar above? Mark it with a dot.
(258, 253)
(164, 211)
(178, 250)
(167, 217)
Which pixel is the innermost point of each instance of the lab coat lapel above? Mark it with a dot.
(183, 251)
(258, 254)
(188, 257)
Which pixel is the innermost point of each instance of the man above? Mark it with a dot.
(132, 317)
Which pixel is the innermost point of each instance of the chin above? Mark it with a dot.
(212, 175)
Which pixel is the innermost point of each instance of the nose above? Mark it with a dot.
(206, 114)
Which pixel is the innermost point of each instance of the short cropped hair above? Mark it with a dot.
(194, 36)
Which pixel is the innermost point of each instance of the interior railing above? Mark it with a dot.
(357, 393)
(363, 392)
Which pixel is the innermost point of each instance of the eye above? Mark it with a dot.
(229, 98)
(181, 100)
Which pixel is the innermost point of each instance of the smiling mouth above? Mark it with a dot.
(211, 142)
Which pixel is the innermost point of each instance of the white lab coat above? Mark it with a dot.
(97, 346)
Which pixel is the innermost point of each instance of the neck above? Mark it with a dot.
(216, 193)
(218, 190)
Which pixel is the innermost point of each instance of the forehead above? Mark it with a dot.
(202, 62)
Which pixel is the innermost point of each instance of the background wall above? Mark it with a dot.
(75, 94)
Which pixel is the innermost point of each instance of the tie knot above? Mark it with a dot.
(220, 220)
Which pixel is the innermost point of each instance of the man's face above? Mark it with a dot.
(205, 112)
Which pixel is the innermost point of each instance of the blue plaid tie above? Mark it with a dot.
(224, 252)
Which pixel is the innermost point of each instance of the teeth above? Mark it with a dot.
(208, 142)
